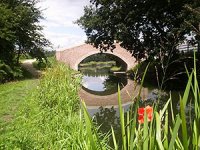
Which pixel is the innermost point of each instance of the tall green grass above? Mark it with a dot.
(52, 117)
(159, 133)
(167, 129)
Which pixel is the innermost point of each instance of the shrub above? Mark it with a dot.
(170, 74)
(8, 73)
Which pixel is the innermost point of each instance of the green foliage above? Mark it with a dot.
(8, 73)
(102, 57)
(115, 68)
(147, 28)
(159, 133)
(42, 64)
(51, 118)
(20, 31)
(12, 95)
(39, 65)
(168, 74)
(50, 53)
(25, 56)
(96, 64)
(157, 129)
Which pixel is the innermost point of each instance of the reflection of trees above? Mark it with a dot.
(95, 72)
(112, 82)
(107, 117)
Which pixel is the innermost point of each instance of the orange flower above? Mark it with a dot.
(141, 119)
(141, 111)
(149, 112)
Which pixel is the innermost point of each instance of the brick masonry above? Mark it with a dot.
(73, 56)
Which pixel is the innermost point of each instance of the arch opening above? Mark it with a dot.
(99, 75)
(103, 59)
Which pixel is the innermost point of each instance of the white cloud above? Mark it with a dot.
(64, 40)
(58, 24)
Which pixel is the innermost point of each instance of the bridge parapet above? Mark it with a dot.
(73, 56)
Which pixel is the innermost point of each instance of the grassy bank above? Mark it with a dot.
(51, 118)
(12, 95)
(97, 63)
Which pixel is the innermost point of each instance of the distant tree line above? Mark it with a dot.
(103, 57)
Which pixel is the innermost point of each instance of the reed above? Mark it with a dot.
(154, 131)
(52, 118)
(158, 133)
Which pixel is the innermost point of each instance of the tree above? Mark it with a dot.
(20, 31)
(192, 20)
(147, 28)
(20, 28)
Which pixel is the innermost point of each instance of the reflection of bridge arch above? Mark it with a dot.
(75, 55)
(128, 92)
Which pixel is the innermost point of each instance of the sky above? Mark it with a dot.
(58, 23)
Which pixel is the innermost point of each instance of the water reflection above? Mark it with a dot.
(101, 81)
(107, 116)
(99, 91)
(103, 85)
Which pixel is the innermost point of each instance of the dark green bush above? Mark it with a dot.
(168, 74)
(8, 73)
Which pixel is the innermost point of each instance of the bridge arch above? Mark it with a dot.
(104, 57)
(73, 56)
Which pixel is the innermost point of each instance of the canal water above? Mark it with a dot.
(99, 91)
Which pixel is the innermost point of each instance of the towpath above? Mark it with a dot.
(28, 65)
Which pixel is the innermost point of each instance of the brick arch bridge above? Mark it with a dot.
(73, 56)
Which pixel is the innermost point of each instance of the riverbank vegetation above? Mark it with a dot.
(44, 64)
(169, 74)
(115, 69)
(152, 127)
(102, 60)
(96, 65)
(51, 118)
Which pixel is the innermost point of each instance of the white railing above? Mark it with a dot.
(187, 47)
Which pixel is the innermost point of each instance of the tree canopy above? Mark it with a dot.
(20, 30)
(147, 28)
